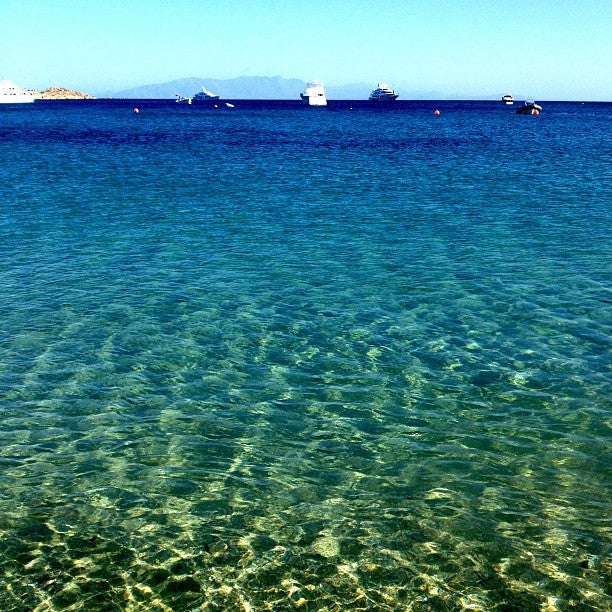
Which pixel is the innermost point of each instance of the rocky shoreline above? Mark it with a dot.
(62, 93)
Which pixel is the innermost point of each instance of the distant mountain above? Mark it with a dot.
(245, 87)
(270, 88)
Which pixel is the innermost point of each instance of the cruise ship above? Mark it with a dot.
(314, 94)
(11, 94)
(382, 93)
(205, 96)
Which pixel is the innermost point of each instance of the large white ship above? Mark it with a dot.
(11, 94)
(314, 94)
(382, 93)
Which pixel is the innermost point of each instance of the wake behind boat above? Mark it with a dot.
(382, 93)
(11, 94)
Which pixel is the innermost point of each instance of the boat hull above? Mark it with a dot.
(313, 100)
(529, 109)
(17, 100)
(383, 98)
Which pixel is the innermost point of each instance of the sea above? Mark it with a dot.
(271, 357)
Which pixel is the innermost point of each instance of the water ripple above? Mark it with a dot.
(277, 360)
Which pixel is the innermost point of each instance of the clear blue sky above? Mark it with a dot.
(546, 49)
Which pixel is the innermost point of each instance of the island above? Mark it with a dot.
(62, 93)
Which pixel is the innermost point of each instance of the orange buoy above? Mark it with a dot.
(436, 112)
(535, 111)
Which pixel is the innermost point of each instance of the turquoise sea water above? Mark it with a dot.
(283, 358)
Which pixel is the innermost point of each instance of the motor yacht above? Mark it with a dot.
(382, 93)
(314, 94)
(205, 96)
(11, 94)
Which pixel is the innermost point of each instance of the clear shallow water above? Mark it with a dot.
(279, 358)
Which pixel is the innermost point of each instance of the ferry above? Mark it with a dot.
(11, 94)
(382, 93)
(205, 96)
(314, 94)
(507, 99)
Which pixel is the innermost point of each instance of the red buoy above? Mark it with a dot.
(436, 112)
(136, 110)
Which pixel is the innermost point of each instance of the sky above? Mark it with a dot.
(543, 49)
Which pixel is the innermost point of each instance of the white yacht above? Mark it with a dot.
(507, 99)
(314, 94)
(205, 96)
(382, 93)
(11, 94)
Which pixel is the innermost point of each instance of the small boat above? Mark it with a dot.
(182, 99)
(529, 107)
(314, 94)
(229, 105)
(382, 93)
(507, 99)
(11, 94)
(205, 96)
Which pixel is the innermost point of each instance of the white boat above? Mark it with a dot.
(205, 96)
(507, 99)
(382, 93)
(314, 94)
(182, 99)
(11, 94)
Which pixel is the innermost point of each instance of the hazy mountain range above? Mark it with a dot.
(244, 87)
(255, 88)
